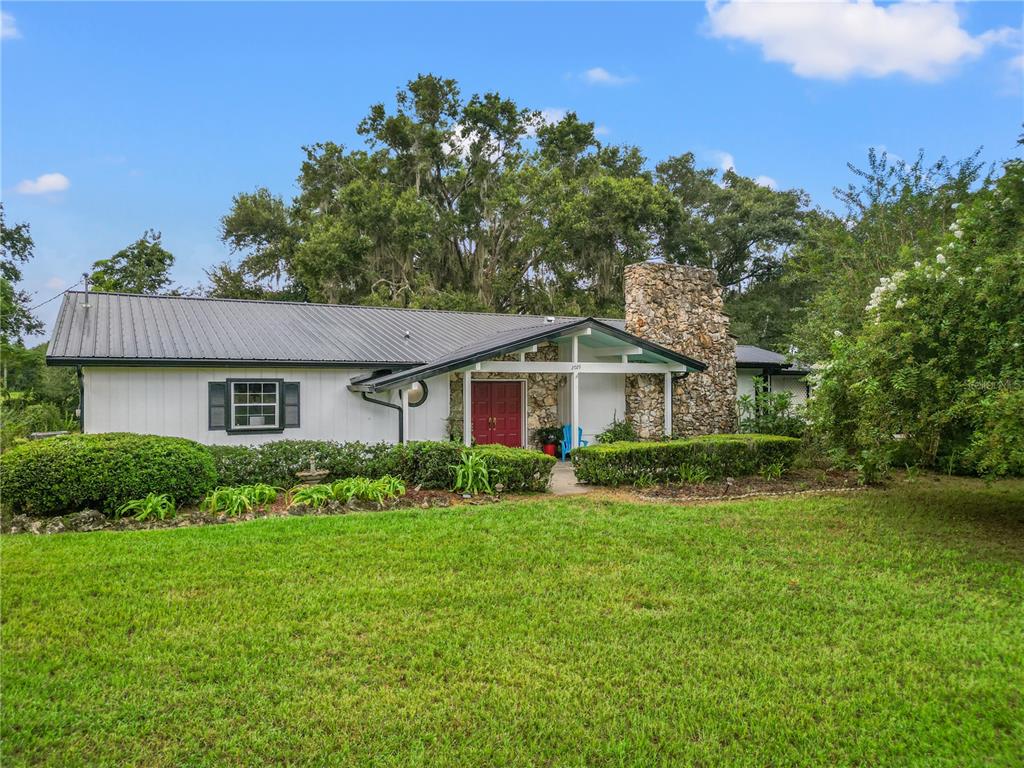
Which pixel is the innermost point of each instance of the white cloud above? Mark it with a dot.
(838, 40)
(552, 115)
(8, 26)
(602, 130)
(42, 185)
(548, 116)
(726, 162)
(56, 283)
(601, 76)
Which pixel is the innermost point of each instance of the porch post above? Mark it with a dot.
(668, 404)
(467, 408)
(574, 426)
(403, 400)
(574, 404)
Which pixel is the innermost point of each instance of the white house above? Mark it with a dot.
(235, 371)
(778, 373)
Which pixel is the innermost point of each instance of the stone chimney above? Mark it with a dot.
(681, 308)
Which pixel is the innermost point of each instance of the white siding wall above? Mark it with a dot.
(602, 395)
(173, 401)
(602, 398)
(745, 381)
(795, 385)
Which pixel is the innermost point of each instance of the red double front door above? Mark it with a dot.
(498, 412)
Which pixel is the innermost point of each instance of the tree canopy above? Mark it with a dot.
(142, 267)
(16, 318)
(479, 203)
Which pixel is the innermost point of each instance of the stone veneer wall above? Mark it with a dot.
(681, 308)
(541, 393)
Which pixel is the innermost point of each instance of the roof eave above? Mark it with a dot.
(390, 381)
(165, 362)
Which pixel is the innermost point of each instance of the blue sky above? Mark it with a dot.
(125, 116)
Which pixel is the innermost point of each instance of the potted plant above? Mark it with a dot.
(549, 437)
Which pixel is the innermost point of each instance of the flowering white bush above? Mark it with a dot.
(936, 375)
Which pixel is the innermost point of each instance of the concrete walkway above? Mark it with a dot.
(563, 481)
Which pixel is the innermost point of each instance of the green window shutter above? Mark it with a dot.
(290, 401)
(218, 404)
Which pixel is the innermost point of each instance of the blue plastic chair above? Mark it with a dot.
(566, 431)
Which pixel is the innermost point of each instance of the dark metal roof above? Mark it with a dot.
(748, 356)
(132, 329)
(509, 342)
(123, 329)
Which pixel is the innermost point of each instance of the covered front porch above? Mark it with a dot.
(561, 373)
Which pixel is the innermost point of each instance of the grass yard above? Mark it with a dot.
(880, 628)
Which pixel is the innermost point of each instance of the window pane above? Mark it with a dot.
(254, 404)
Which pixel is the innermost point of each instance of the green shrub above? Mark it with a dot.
(238, 500)
(617, 432)
(276, 463)
(70, 472)
(424, 464)
(518, 469)
(386, 488)
(770, 413)
(472, 474)
(315, 496)
(691, 475)
(158, 505)
(20, 420)
(717, 455)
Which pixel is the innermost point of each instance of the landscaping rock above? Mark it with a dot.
(54, 526)
(86, 520)
(20, 524)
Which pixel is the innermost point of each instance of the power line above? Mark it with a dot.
(52, 298)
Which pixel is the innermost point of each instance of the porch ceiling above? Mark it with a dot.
(641, 356)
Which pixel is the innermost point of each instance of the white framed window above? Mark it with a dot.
(255, 404)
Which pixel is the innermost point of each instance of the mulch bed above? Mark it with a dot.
(794, 481)
(92, 520)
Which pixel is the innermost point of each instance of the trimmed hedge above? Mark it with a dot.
(518, 469)
(70, 472)
(276, 463)
(426, 464)
(721, 455)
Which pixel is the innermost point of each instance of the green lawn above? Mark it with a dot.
(881, 628)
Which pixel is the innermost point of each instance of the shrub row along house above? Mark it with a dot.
(233, 371)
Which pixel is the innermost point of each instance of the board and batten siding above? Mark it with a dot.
(796, 385)
(174, 402)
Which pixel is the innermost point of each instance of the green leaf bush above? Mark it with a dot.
(627, 463)
(472, 475)
(105, 471)
(157, 506)
(380, 491)
(425, 464)
(517, 469)
(239, 500)
(275, 463)
(934, 376)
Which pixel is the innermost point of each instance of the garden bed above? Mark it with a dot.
(794, 481)
(93, 520)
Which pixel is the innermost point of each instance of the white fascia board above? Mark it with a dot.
(502, 366)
